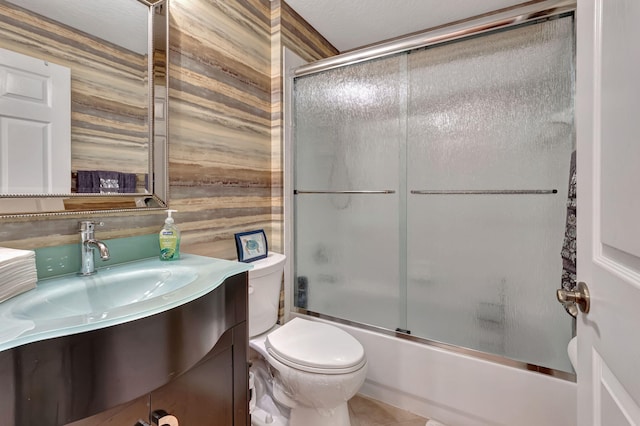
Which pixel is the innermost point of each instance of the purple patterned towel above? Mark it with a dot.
(569, 246)
(105, 182)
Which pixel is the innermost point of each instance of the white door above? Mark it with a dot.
(35, 126)
(608, 135)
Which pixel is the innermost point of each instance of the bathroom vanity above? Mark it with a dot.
(182, 350)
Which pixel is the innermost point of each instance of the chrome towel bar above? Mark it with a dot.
(484, 191)
(384, 191)
(441, 192)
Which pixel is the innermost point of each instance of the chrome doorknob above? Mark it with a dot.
(579, 298)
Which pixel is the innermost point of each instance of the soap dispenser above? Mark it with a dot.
(169, 239)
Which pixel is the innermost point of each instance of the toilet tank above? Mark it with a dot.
(265, 280)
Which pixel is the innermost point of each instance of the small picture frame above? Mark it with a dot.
(251, 245)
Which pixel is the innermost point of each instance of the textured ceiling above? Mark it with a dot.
(349, 24)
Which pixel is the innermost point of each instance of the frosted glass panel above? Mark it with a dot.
(347, 255)
(491, 113)
(348, 125)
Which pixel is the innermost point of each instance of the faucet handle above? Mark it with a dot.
(89, 225)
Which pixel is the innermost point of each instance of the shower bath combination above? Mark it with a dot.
(430, 192)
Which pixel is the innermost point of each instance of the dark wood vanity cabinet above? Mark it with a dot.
(207, 394)
(194, 362)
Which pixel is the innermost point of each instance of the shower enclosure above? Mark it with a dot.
(431, 189)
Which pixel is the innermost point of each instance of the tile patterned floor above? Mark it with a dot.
(369, 412)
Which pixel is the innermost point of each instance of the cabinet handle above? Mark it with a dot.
(162, 418)
(141, 423)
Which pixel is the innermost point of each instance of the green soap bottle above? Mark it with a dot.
(169, 239)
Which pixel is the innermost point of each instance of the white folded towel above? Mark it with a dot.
(9, 254)
(17, 272)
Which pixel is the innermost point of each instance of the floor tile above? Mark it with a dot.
(366, 411)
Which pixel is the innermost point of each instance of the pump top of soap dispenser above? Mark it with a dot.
(169, 220)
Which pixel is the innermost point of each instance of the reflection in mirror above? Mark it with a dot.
(82, 80)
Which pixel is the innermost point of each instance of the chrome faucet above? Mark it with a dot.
(89, 242)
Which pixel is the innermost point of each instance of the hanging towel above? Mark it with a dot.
(127, 182)
(106, 182)
(569, 246)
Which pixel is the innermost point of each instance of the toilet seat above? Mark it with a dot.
(315, 347)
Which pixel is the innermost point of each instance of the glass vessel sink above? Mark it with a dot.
(101, 293)
(116, 294)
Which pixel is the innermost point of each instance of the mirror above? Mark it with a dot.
(83, 105)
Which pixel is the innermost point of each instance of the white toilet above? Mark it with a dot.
(316, 367)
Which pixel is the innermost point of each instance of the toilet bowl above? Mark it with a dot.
(316, 367)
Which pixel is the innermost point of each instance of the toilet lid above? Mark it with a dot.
(315, 347)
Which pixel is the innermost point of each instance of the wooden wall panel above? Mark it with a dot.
(219, 121)
(299, 36)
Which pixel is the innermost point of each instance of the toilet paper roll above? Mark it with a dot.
(168, 421)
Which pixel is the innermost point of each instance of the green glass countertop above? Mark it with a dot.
(70, 304)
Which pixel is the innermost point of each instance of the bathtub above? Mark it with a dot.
(458, 389)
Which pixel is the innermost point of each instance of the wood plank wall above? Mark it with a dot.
(224, 127)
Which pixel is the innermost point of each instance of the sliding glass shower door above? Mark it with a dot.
(347, 127)
(490, 136)
(431, 189)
